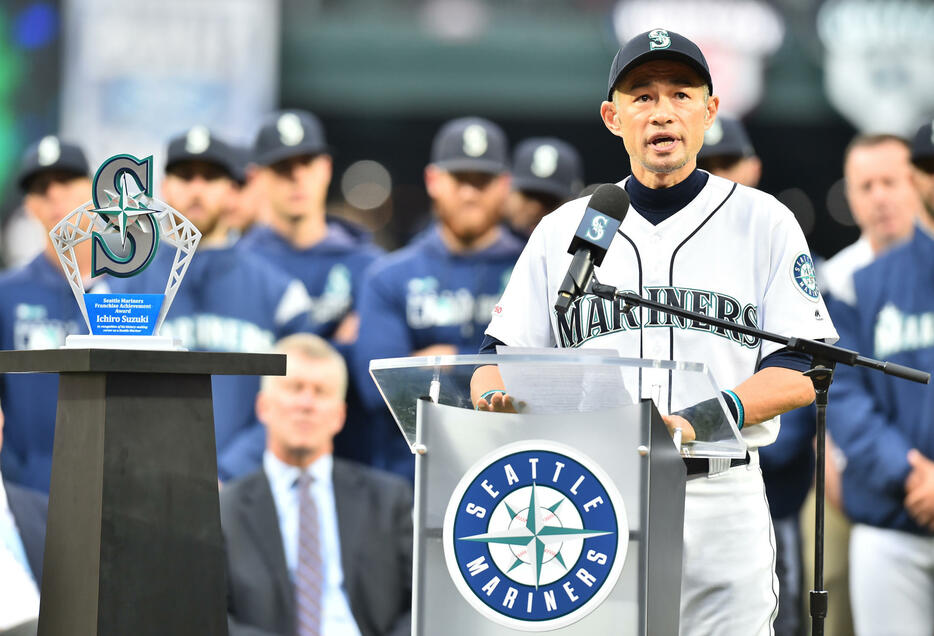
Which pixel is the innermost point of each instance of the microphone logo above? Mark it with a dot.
(597, 228)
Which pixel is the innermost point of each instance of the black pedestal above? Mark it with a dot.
(134, 545)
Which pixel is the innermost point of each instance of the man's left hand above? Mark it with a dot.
(919, 489)
(676, 421)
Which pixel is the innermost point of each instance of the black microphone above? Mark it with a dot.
(604, 214)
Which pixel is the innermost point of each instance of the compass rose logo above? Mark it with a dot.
(535, 536)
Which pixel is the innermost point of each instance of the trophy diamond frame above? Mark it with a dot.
(125, 224)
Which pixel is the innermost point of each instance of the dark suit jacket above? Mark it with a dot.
(374, 517)
(30, 509)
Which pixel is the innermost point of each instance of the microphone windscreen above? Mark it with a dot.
(611, 200)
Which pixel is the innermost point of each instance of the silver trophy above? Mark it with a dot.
(126, 226)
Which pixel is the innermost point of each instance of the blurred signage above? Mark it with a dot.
(136, 73)
(878, 62)
(737, 38)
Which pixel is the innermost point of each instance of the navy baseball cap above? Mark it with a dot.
(200, 144)
(287, 134)
(243, 156)
(726, 138)
(922, 146)
(471, 144)
(51, 154)
(547, 165)
(657, 44)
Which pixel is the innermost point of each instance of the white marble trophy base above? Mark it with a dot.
(159, 343)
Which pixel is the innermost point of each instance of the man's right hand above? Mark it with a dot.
(436, 350)
(497, 403)
(919, 489)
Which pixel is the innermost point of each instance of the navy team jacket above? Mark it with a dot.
(875, 418)
(37, 311)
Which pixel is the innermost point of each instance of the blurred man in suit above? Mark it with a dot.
(22, 540)
(315, 545)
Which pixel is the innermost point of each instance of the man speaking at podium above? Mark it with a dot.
(709, 245)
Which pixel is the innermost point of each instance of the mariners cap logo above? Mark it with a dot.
(535, 536)
(50, 150)
(802, 272)
(290, 129)
(714, 134)
(197, 140)
(544, 161)
(659, 39)
(475, 140)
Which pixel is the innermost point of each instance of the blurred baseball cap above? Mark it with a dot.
(657, 44)
(51, 154)
(243, 157)
(471, 144)
(198, 143)
(287, 134)
(726, 138)
(547, 165)
(922, 146)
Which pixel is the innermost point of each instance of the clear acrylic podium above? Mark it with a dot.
(566, 516)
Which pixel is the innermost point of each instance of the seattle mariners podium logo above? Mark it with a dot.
(535, 536)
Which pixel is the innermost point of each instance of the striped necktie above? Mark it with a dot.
(309, 574)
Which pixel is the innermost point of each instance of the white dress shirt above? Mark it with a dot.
(336, 618)
(19, 596)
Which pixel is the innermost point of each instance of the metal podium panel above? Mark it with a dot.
(617, 447)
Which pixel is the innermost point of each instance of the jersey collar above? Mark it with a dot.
(658, 205)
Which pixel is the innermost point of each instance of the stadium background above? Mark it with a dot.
(805, 75)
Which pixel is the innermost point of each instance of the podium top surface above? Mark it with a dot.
(575, 382)
(141, 361)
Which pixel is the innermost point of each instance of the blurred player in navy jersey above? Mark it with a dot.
(727, 152)
(38, 309)
(435, 296)
(292, 171)
(545, 173)
(230, 299)
(246, 207)
(293, 167)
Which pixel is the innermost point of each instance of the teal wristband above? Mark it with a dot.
(488, 394)
(741, 417)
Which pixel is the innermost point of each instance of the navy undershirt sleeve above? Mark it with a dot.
(787, 359)
(489, 344)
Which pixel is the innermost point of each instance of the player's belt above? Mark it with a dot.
(701, 465)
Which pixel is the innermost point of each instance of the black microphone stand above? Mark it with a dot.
(823, 359)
